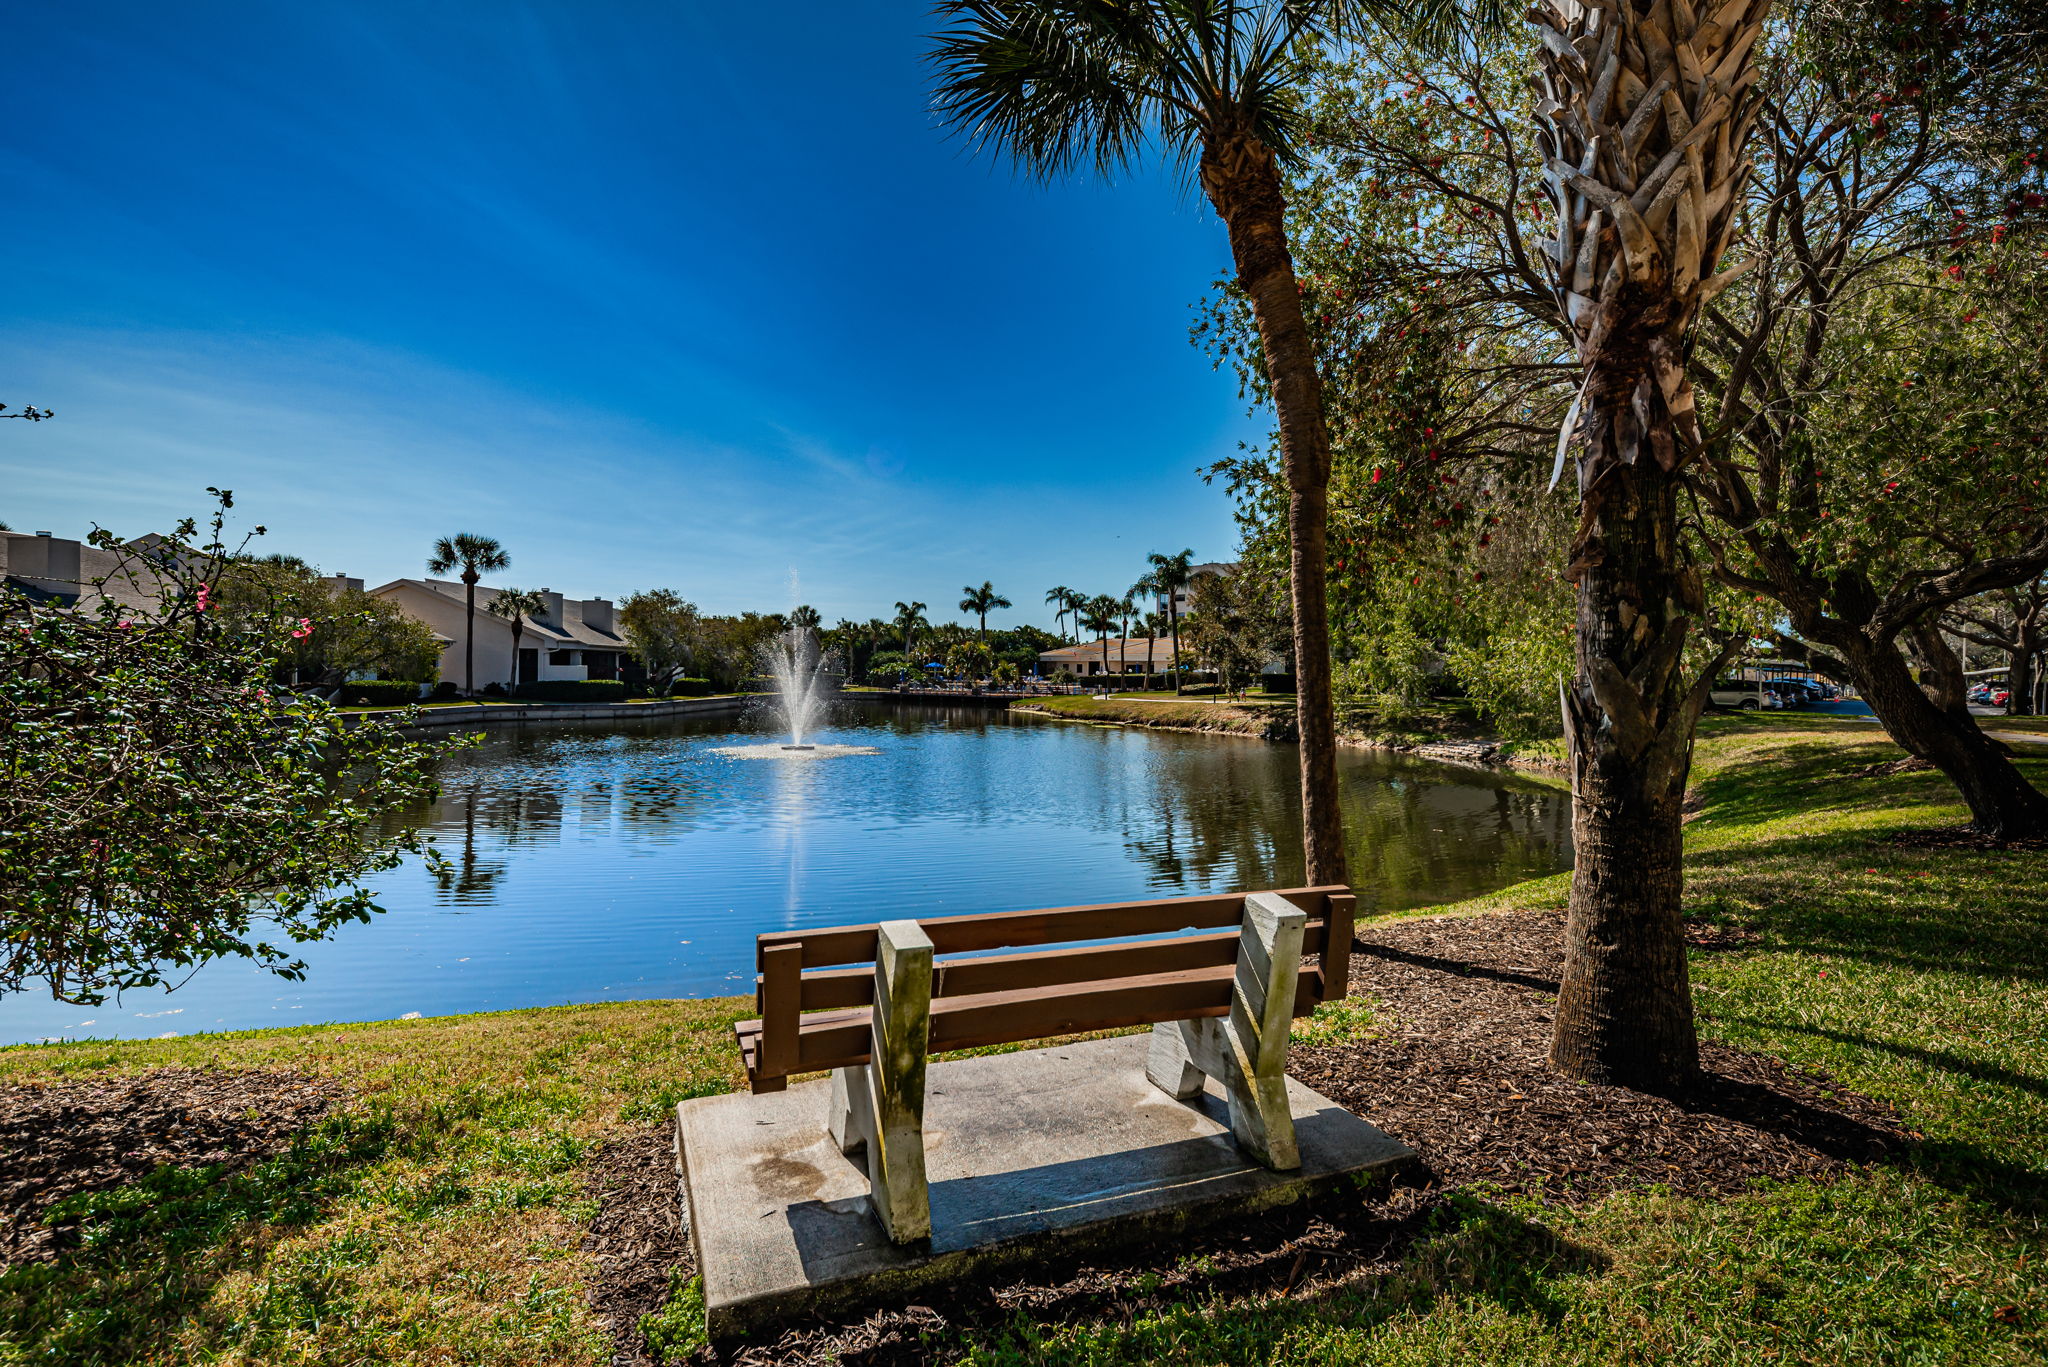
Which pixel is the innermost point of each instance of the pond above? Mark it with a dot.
(601, 862)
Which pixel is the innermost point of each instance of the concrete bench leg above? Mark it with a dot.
(1246, 1052)
(880, 1105)
(852, 1113)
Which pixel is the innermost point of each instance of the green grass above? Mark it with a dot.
(441, 1219)
(1183, 714)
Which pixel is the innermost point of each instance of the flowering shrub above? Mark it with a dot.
(164, 803)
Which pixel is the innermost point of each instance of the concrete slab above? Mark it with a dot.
(1058, 1150)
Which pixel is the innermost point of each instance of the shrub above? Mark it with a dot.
(494, 689)
(443, 690)
(574, 690)
(169, 804)
(380, 693)
(690, 688)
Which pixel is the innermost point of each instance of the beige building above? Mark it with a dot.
(1184, 597)
(58, 569)
(575, 638)
(1126, 653)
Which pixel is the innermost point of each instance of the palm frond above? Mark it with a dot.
(1055, 83)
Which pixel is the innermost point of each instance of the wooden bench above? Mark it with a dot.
(870, 1004)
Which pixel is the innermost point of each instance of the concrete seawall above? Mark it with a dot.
(520, 714)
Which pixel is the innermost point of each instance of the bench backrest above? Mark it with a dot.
(1010, 998)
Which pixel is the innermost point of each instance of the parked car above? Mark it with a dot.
(1744, 694)
(1799, 691)
(1979, 694)
(2000, 697)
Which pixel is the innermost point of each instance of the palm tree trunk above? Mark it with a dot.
(1173, 628)
(518, 634)
(1242, 181)
(1624, 1012)
(469, 633)
(1644, 112)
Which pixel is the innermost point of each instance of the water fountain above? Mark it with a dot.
(803, 686)
(797, 666)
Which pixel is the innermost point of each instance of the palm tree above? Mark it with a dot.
(1099, 615)
(1646, 160)
(909, 620)
(1126, 607)
(515, 606)
(804, 617)
(981, 602)
(1152, 622)
(476, 555)
(1063, 599)
(1170, 574)
(1061, 82)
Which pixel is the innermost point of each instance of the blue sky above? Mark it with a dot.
(658, 292)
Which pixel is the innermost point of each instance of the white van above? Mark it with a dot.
(1743, 693)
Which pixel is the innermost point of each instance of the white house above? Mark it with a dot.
(1125, 655)
(1184, 597)
(574, 638)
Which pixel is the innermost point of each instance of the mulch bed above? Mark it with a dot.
(638, 1236)
(1464, 1078)
(1460, 1075)
(59, 1139)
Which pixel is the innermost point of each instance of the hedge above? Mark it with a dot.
(690, 688)
(380, 693)
(574, 690)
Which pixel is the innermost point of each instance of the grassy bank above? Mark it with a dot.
(1438, 722)
(1167, 712)
(442, 1219)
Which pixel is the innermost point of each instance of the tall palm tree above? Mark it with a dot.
(1170, 574)
(1645, 112)
(1154, 626)
(981, 602)
(909, 620)
(1218, 83)
(477, 556)
(1099, 614)
(1062, 600)
(515, 606)
(1126, 608)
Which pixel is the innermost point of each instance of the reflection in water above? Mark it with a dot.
(610, 863)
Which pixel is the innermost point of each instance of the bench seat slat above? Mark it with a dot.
(838, 1039)
(1021, 929)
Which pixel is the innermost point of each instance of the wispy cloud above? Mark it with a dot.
(354, 456)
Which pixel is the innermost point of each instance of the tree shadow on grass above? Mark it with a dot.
(1850, 895)
(1959, 1165)
(149, 1252)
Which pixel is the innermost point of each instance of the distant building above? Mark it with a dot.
(1128, 653)
(575, 638)
(56, 569)
(1184, 597)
